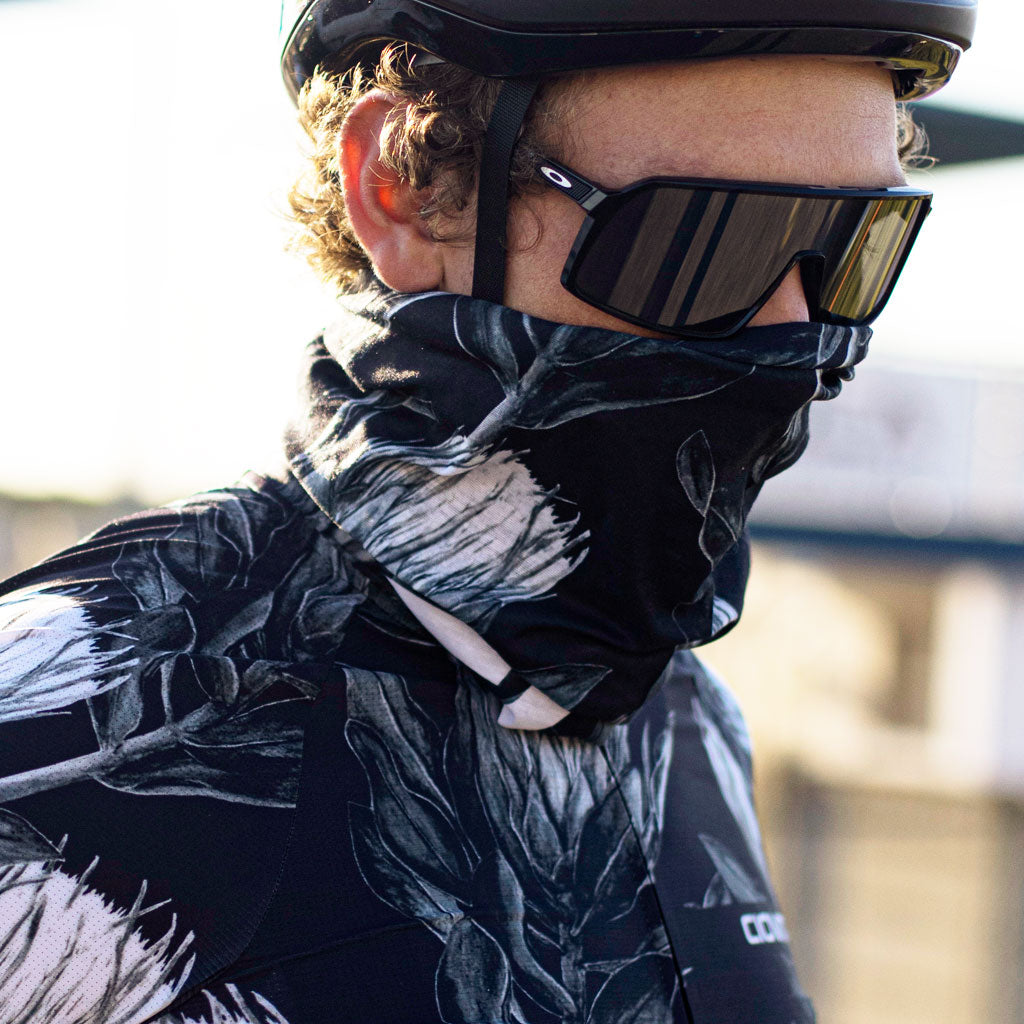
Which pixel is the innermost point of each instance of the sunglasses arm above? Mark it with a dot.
(581, 191)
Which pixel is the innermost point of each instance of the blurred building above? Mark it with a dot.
(32, 529)
(880, 665)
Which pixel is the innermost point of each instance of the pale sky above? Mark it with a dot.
(151, 325)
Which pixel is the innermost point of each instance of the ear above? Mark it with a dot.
(382, 207)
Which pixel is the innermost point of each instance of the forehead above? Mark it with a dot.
(803, 120)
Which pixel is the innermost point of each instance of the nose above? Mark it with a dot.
(787, 304)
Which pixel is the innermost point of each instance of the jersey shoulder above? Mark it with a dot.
(228, 587)
(156, 681)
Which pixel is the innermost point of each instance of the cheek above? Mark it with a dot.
(457, 269)
(541, 234)
(539, 248)
(541, 239)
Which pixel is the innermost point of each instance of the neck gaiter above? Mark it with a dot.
(576, 496)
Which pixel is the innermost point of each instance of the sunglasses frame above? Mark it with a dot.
(600, 204)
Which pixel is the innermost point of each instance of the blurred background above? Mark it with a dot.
(151, 327)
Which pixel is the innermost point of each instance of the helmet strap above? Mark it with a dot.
(492, 195)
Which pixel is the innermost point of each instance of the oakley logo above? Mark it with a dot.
(556, 177)
(764, 929)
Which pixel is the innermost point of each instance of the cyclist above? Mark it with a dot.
(413, 730)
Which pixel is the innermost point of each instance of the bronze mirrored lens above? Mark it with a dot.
(861, 278)
(705, 258)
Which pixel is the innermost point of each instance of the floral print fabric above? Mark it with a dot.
(241, 784)
(576, 495)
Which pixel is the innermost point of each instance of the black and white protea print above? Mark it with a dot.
(470, 531)
(525, 855)
(172, 659)
(176, 653)
(68, 955)
(243, 782)
(577, 496)
(237, 1007)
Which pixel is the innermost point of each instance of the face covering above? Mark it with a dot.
(570, 500)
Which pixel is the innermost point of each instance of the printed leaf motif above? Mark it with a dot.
(423, 833)
(538, 824)
(655, 942)
(720, 531)
(117, 713)
(406, 891)
(21, 843)
(252, 757)
(506, 753)
(703, 599)
(203, 560)
(566, 684)
(403, 725)
(743, 888)
(789, 447)
(722, 707)
(839, 347)
(552, 850)
(149, 579)
(581, 797)
(607, 873)
(733, 784)
(655, 769)
(814, 346)
(641, 992)
(721, 509)
(492, 344)
(695, 467)
(251, 618)
(571, 347)
(322, 616)
(566, 383)
(718, 893)
(499, 889)
(470, 952)
(467, 805)
(219, 680)
(577, 372)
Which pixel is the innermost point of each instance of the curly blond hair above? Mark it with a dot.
(435, 142)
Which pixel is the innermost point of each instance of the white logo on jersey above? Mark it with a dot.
(762, 929)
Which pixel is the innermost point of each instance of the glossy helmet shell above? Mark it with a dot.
(920, 40)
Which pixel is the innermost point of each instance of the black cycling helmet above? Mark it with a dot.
(524, 40)
(921, 40)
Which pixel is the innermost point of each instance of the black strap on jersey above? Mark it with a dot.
(511, 686)
(492, 196)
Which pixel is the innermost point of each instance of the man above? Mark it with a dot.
(414, 731)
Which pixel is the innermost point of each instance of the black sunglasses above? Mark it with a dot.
(699, 257)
